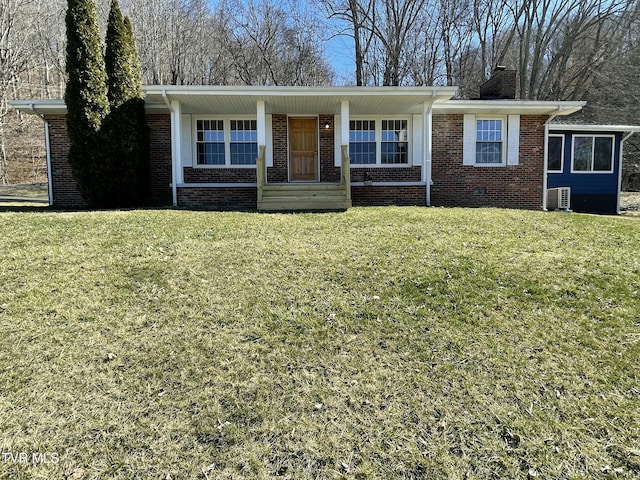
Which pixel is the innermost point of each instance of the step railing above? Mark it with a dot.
(261, 170)
(346, 170)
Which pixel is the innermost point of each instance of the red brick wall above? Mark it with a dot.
(219, 198)
(379, 195)
(512, 186)
(279, 171)
(65, 191)
(328, 171)
(219, 175)
(160, 159)
(386, 174)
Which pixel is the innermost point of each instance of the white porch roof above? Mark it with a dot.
(227, 100)
(298, 100)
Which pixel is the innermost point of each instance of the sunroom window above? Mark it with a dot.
(210, 142)
(555, 153)
(592, 153)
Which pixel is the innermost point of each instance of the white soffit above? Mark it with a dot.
(594, 128)
(299, 100)
(508, 107)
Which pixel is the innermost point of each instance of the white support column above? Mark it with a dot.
(344, 118)
(261, 123)
(176, 150)
(427, 145)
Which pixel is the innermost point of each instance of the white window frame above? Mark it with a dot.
(503, 150)
(378, 136)
(226, 124)
(594, 136)
(557, 135)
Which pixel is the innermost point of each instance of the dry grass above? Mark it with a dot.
(375, 343)
(35, 190)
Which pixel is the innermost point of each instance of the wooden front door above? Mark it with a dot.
(303, 149)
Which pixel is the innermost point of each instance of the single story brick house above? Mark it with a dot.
(294, 148)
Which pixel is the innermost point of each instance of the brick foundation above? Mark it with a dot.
(383, 196)
(512, 186)
(232, 198)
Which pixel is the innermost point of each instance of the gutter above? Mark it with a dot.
(174, 185)
(546, 159)
(47, 148)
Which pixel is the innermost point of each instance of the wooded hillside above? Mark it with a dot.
(562, 50)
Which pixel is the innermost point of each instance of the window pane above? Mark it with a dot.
(554, 161)
(211, 154)
(394, 147)
(210, 142)
(489, 152)
(582, 154)
(244, 142)
(603, 154)
(489, 141)
(362, 142)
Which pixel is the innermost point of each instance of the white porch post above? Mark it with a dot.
(176, 149)
(344, 119)
(427, 146)
(261, 126)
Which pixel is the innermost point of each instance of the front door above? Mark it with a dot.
(303, 149)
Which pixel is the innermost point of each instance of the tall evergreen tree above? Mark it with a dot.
(124, 131)
(86, 92)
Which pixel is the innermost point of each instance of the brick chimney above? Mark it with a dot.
(501, 85)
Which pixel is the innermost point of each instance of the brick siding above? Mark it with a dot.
(382, 195)
(512, 186)
(219, 175)
(233, 198)
(65, 189)
(160, 159)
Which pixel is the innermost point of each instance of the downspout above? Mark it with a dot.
(174, 186)
(546, 159)
(624, 139)
(47, 147)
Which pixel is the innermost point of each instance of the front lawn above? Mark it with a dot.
(386, 343)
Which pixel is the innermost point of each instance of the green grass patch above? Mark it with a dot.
(375, 343)
(34, 190)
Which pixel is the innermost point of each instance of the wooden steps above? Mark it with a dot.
(304, 196)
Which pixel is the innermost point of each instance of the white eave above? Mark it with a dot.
(43, 107)
(507, 107)
(594, 128)
(298, 100)
(227, 100)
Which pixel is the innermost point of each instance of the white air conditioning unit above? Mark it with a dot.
(559, 198)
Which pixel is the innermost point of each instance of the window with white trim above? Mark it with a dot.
(382, 141)
(592, 153)
(555, 153)
(244, 142)
(362, 142)
(489, 141)
(226, 142)
(210, 142)
(394, 147)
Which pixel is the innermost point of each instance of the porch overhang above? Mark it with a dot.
(298, 100)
